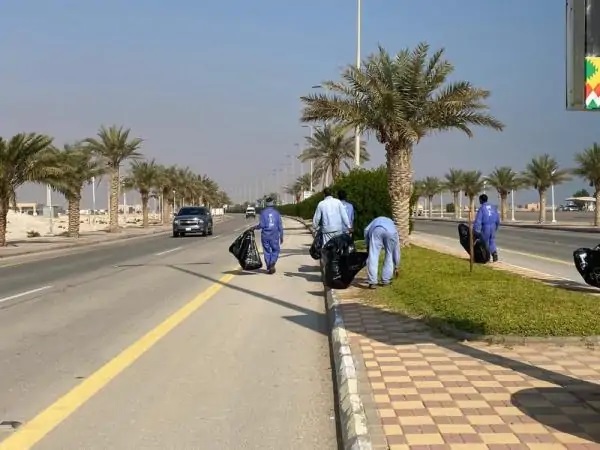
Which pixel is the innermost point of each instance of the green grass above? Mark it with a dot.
(440, 289)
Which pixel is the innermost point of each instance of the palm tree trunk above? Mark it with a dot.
(455, 200)
(430, 201)
(542, 206)
(4, 206)
(597, 208)
(503, 205)
(74, 216)
(144, 210)
(471, 209)
(114, 200)
(399, 171)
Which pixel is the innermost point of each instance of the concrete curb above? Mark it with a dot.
(534, 226)
(353, 418)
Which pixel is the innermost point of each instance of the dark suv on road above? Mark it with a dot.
(193, 219)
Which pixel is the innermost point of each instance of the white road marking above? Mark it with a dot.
(23, 294)
(168, 251)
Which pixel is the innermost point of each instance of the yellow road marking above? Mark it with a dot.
(529, 255)
(34, 430)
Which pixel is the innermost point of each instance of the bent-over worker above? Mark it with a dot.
(381, 233)
(271, 234)
(486, 225)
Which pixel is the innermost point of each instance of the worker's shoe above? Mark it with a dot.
(495, 257)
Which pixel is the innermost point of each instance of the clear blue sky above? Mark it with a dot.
(215, 84)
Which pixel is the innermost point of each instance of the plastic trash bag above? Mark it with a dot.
(245, 249)
(481, 253)
(587, 263)
(315, 248)
(341, 261)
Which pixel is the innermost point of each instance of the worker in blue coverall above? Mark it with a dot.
(381, 233)
(486, 225)
(271, 234)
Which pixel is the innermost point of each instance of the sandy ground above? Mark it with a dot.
(21, 226)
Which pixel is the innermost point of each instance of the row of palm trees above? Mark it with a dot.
(32, 157)
(541, 173)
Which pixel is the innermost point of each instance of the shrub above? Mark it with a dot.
(366, 190)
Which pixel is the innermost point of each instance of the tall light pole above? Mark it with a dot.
(50, 208)
(552, 191)
(441, 204)
(357, 130)
(512, 205)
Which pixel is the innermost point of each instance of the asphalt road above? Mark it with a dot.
(163, 343)
(548, 243)
(564, 217)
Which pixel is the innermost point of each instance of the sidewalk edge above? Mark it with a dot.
(353, 419)
(352, 415)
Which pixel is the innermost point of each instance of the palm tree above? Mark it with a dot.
(541, 174)
(472, 185)
(454, 183)
(588, 167)
(167, 181)
(21, 161)
(329, 147)
(78, 167)
(143, 177)
(431, 187)
(504, 180)
(114, 146)
(417, 192)
(401, 99)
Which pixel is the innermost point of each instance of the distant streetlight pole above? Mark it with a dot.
(441, 204)
(512, 205)
(50, 208)
(357, 130)
(460, 196)
(552, 191)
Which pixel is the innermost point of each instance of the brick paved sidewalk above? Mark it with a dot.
(430, 391)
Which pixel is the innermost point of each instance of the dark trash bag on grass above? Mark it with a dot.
(341, 261)
(587, 263)
(481, 254)
(315, 248)
(245, 250)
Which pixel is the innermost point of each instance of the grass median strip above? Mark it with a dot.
(439, 289)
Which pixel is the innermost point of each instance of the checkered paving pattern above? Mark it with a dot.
(432, 392)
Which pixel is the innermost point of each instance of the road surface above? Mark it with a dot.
(548, 251)
(562, 217)
(163, 343)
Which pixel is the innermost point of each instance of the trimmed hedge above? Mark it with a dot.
(367, 190)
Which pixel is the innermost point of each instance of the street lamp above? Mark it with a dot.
(512, 205)
(441, 204)
(50, 208)
(460, 196)
(357, 130)
(552, 191)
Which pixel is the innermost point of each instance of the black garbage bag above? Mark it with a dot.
(315, 248)
(481, 253)
(236, 247)
(587, 263)
(245, 249)
(341, 261)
